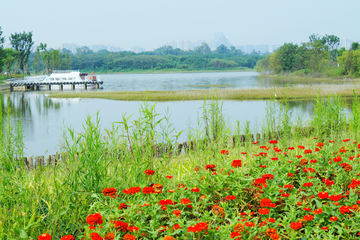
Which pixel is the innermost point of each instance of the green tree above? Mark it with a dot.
(45, 57)
(222, 49)
(10, 58)
(287, 56)
(36, 62)
(203, 49)
(355, 46)
(22, 43)
(2, 53)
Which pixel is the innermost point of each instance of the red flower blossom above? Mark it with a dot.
(325, 228)
(95, 236)
(176, 227)
(331, 141)
(149, 172)
(290, 175)
(236, 163)
(307, 151)
(318, 211)
(323, 195)
(263, 211)
(68, 237)
(333, 219)
(273, 141)
(335, 197)
(210, 167)
(132, 190)
(289, 186)
(235, 235)
(166, 202)
(109, 236)
(275, 158)
(121, 226)
(224, 152)
(285, 195)
(291, 148)
(195, 189)
(345, 209)
(129, 237)
(309, 184)
(250, 224)
(109, 191)
(44, 236)
(94, 219)
(313, 161)
(337, 159)
(296, 225)
(272, 220)
(268, 176)
(177, 213)
(265, 202)
(244, 153)
(308, 217)
(132, 228)
(198, 227)
(169, 177)
(148, 190)
(185, 201)
(123, 206)
(231, 197)
(328, 182)
(262, 166)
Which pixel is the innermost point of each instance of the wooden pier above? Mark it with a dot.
(36, 85)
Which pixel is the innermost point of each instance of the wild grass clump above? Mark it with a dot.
(131, 181)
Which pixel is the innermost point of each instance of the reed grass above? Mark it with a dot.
(57, 199)
(298, 92)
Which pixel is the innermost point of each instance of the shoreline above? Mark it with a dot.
(309, 78)
(291, 93)
(176, 71)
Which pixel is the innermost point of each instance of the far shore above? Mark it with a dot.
(291, 93)
(174, 71)
(307, 77)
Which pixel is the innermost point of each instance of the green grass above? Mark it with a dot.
(211, 85)
(298, 92)
(57, 199)
(238, 69)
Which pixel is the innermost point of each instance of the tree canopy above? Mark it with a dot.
(22, 43)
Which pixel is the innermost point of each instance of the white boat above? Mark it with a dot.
(64, 76)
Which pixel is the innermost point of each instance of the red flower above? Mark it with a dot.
(149, 172)
(148, 190)
(309, 184)
(320, 144)
(289, 186)
(132, 228)
(123, 206)
(272, 220)
(268, 176)
(166, 202)
(337, 159)
(68, 237)
(169, 177)
(307, 151)
(345, 209)
(231, 197)
(285, 195)
(323, 195)
(328, 182)
(176, 227)
(236, 163)
(235, 234)
(308, 217)
(185, 201)
(262, 166)
(301, 147)
(265, 202)
(290, 175)
(109, 191)
(296, 225)
(250, 224)
(132, 190)
(331, 141)
(44, 236)
(325, 228)
(318, 211)
(210, 167)
(198, 227)
(313, 160)
(119, 225)
(129, 237)
(263, 211)
(94, 219)
(273, 141)
(195, 189)
(291, 148)
(335, 197)
(333, 219)
(177, 213)
(95, 236)
(224, 152)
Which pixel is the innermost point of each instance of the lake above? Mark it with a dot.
(44, 119)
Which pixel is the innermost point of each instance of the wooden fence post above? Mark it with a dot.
(31, 164)
(54, 160)
(42, 163)
(36, 162)
(48, 160)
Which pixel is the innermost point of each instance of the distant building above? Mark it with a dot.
(249, 48)
(137, 49)
(241, 47)
(262, 48)
(70, 46)
(274, 47)
(219, 38)
(346, 43)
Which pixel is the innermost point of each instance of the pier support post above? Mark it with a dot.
(61, 87)
(72, 86)
(36, 87)
(97, 86)
(48, 87)
(85, 86)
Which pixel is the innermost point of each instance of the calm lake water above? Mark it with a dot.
(44, 119)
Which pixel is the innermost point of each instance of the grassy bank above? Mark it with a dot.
(298, 187)
(298, 92)
(238, 69)
(309, 77)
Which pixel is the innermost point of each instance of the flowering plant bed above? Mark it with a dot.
(297, 192)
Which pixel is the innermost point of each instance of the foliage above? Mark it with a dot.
(22, 43)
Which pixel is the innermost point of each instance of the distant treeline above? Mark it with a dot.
(320, 57)
(164, 58)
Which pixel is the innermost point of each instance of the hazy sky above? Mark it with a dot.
(151, 23)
